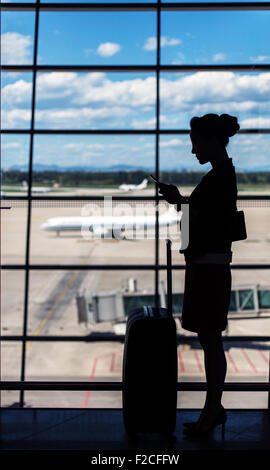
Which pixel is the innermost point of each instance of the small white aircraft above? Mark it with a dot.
(132, 187)
(35, 189)
(109, 226)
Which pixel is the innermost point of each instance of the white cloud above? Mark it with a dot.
(15, 118)
(222, 89)
(260, 58)
(78, 117)
(92, 100)
(256, 122)
(151, 123)
(172, 143)
(108, 49)
(11, 145)
(16, 48)
(16, 93)
(169, 42)
(219, 56)
(151, 43)
(79, 146)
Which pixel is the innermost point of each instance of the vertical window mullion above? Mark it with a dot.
(157, 160)
(29, 198)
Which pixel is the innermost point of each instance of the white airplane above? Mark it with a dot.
(132, 187)
(35, 189)
(110, 226)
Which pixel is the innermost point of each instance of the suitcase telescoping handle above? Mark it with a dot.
(169, 276)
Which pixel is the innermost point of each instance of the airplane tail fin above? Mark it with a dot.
(143, 184)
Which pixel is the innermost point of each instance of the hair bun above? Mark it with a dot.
(228, 125)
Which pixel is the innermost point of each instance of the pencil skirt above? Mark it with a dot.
(207, 296)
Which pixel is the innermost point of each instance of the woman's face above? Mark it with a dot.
(204, 148)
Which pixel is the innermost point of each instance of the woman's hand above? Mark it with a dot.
(170, 193)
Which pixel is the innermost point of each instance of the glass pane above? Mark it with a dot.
(233, 307)
(99, 1)
(18, 1)
(179, 166)
(95, 101)
(11, 360)
(17, 37)
(10, 399)
(246, 299)
(93, 38)
(264, 298)
(199, 1)
(113, 232)
(64, 302)
(13, 231)
(242, 94)
(90, 399)
(16, 94)
(12, 302)
(215, 37)
(255, 249)
(15, 150)
(94, 165)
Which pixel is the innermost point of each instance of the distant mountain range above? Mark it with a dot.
(43, 167)
(120, 167)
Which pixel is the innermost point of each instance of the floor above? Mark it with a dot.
(103, 429)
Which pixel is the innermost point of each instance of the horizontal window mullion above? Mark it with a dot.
(120, 131)
(136, 68)
(113, 267)
(179, 6)
(102, 337)
(118, 386)
(263, 197)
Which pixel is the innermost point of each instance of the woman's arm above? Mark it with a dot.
(172, 195)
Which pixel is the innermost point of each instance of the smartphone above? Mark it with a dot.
(156, 180)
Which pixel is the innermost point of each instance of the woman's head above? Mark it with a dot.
(210, 134)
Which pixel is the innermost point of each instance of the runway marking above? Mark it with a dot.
(263, 356)
(182, 367)
(113, 362)
(198, 361)
(232, 362)
(90, 380)
(94, 366)
(252, 365)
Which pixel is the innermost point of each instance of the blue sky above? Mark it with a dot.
(104, 100)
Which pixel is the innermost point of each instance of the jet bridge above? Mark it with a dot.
(247, 300)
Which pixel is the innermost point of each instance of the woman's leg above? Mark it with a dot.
(215, 367)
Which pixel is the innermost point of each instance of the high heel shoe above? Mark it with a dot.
(194, 431)
(192, 424)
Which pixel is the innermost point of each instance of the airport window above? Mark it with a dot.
(219, 37)
(93, 102)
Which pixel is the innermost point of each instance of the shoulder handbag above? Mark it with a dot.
(238, 226)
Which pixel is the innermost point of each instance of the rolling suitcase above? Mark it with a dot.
(150, 373)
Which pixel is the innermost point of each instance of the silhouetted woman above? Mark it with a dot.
(208, 256)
